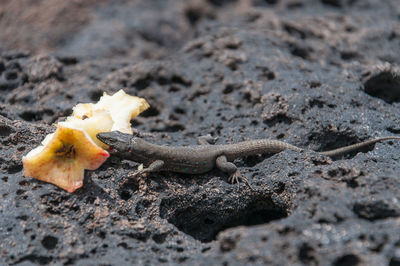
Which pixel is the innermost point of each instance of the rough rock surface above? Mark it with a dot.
(317, 74)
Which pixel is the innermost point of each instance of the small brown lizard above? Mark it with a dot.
(204, 157)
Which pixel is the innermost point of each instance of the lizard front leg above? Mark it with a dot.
(153, 167)
(231, 169)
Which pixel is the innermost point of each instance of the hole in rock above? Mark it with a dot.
(306, 254)
(11, 75)
(315, 84)
(95, 95)
(180, 80)
(127, 189)
(393, 129)
(35, 259)
(193, 15)
(229, 88)
(316, 102)
(348, 55)
(31, 116)
(143, 83)
(101, 234)
(294, 31)
(179, 110)
(394, 261)
(264, 2)
(204, 221)
(123, 245)
(49, 242)
(14, 168)
(8, 85)
(373, 211)
(2, 67)
(68, 60)
(253, 160)
(152, 111)
(385, 85)
(294, 5)
(159, 238)
(5, 130)
(300, 50)
(221, 2)
(334, 3)
(174, 89)
(125, 195)
(278, 119)
(347, 260)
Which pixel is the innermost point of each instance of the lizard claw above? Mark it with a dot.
(139, 173)
(236, 177)
(211, 139)
(207, 140)
(135, 174)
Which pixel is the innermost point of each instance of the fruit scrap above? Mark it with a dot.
(63, 160)
(121, 108)
(93, 124)
(65, 154)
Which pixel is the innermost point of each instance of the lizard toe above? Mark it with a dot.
(237, 177)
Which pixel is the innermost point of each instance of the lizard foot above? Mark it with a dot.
(206, 140)
(143, 172)
(136, 174)
(210, 139)
(236, 177)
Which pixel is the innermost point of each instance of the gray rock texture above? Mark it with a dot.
(316, 74)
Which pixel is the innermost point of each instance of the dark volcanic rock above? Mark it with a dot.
(317, 74)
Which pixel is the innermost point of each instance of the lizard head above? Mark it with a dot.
(119, 142)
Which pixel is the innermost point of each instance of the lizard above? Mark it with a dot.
(201, 158)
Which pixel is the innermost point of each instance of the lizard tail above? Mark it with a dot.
(356, 146)
(258, 146)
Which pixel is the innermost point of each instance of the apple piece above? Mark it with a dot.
(83, 110)
(64, 157)
(123, 108)
(93, 124)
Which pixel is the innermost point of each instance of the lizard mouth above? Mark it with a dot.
(117, 141)
(111, 150)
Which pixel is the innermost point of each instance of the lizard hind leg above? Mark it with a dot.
(231, 169)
